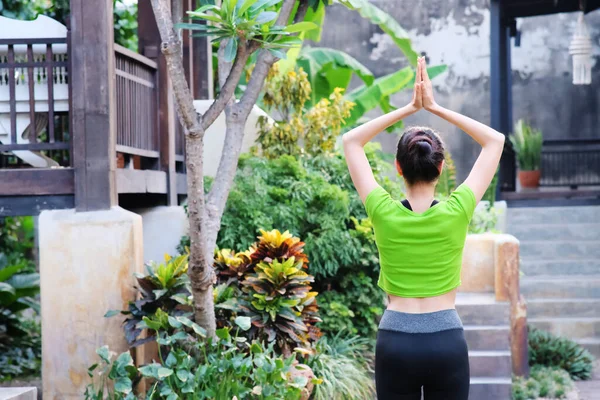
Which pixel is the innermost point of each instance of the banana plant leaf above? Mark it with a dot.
(387, 24)
(328, 69)
(377, 94)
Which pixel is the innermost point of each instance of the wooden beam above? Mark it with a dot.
(36, 182)
(93, 104)
(12, 206)
(149, 44)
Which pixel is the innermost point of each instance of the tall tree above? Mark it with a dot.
(243, 27)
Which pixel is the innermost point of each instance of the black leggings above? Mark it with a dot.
(438, 362)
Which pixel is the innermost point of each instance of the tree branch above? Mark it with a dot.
(236, 117)
(301, 11)
(263, 64)
(171, 48)
(228, 89)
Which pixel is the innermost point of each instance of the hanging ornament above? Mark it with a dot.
(581, 50)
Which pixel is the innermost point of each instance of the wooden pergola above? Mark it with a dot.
(503, 27)
(124, 144)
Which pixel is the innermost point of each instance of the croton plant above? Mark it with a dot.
(269, 283)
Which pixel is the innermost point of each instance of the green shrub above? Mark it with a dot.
(17, 242)
(20, 343)
(342, 363)
(547, 382)
(355, 306)
(484, 219)
(22, 356)
(165, 287)
(555, 351)
(190, 366)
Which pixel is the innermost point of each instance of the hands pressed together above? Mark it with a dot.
(423, 90)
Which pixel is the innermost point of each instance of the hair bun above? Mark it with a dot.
(424, 147)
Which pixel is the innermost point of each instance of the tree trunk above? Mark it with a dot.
(205, 219)
(201, 273)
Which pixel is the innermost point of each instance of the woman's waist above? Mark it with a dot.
(419, 305)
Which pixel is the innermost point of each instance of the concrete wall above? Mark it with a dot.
(456, 33)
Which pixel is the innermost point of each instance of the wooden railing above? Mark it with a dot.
(34, 103)
(137, 104)
(571, 162)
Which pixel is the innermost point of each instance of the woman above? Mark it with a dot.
(420, 343)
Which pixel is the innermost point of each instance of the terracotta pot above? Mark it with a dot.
(530, 179)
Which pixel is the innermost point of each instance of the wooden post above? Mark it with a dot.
(93, 116)
(506, 255)
(501, 89)
(149, 45)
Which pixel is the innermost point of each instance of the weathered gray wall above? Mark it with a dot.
(456, 33)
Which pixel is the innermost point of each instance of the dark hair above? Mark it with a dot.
(420, 153)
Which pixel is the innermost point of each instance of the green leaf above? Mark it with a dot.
(174, 322)
(223, 333)
(367, 98)
(207, 17)
(7, 293)
(25, 281)
(318, 18)
(111, 313)
(387, 24)
(300, 27)
(150, 370)
(164, 372)
(230, 50)
(196, 27)
(328, 69)
(206, 7)
(123, 385)
(9, 271)
(104, 354)
(245, 6)
(266, 16)
(243, 322)
(263, 4)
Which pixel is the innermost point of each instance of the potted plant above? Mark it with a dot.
(527, 143)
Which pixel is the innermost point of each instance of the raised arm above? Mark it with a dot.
(357, 138)
(491, 141)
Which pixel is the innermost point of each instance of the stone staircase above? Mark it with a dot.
(486, 324)
(560, 260)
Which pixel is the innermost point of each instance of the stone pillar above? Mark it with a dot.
(86, 265)
(163, 229)
(477, 273)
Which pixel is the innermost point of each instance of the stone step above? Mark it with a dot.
(553, 215)
(533, 267)
(496, 364)
(552, 287)
(584, 231)
(540, 308)
(490, 389)
(481, 309)
(592, 344)
(491, 337)
(559, 249)
(574, 328)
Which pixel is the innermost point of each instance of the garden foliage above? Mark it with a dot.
(20, 343)
(546, 382)
(556, 351)
(193, 367)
